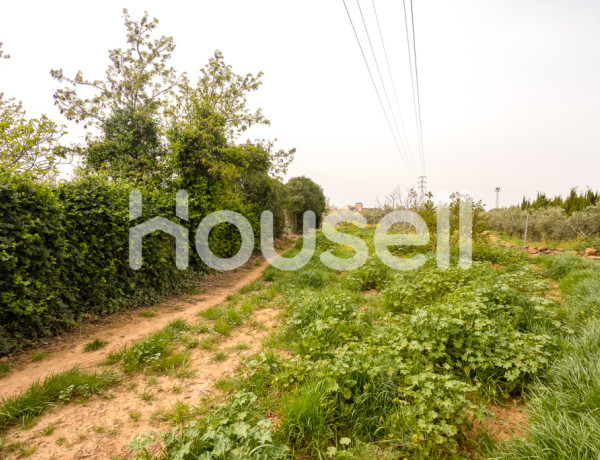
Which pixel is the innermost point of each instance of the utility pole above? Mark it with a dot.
(497, 197)
(422, 181)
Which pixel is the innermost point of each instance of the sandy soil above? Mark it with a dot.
(102, 427)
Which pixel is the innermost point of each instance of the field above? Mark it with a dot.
(501, 360)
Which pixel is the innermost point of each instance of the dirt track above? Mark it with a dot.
(125, 328)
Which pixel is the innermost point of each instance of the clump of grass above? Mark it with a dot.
(226, 384)
(48, 429)
(135, 415)
(156, 352)
(99, 429)
(561, 265)
(94, 345)
(23, 408)
(306, 417)
(242, 346)
(147, 314)
(209, 343)
(178, 414)
(255, 285)
(177, 389)
(39, 356)
(222, 327)
(4, 369)
(147, 396)
(220, 357)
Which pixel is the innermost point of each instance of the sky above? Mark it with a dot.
(509, 90)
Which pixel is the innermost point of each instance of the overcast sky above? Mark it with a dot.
(509, 89)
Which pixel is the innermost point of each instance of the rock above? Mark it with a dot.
(559, 250)
(572, 252)
(485, 232)
(543, 248)
(591, 252)
(532, 251)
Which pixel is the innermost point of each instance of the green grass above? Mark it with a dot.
(565, 420)
(179, 414)
(39, 356)
(155, 353)
(73, 384)
(146, 314)
(4, 369)
(48, 429)
(220, 357)
(397, 374)
(94, 345)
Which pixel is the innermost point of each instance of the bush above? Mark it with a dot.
(64, 256)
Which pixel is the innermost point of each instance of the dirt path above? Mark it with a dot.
(103, 426)
(125, 328)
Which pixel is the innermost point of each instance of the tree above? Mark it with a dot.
(225, 92)
(130, 147)
(28, 145)
(304, 194)
(138, 78)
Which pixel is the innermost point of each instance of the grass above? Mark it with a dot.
(4, 369)
(220, 357)
(134, 415)
(24, 408)
(48, 429)
(146, 314)
(242, 346)
(39, 356)
(94, 345)
(179, 414)
(565, 420)
(155, 353)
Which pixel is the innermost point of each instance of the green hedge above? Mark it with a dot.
(64, 256)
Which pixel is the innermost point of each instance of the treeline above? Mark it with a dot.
(64, 246)
(574, 202)
(547, 223)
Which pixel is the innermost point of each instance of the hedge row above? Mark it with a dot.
(64, 254)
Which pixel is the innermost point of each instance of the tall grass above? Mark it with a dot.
(23, 408)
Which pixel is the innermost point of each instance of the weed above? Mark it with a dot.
(220, 356)
(4, 369)
(146, 314)
(39, 356)
(62, 387)
(48, 429)
(94, 345)
(177, 389)
(134, 415)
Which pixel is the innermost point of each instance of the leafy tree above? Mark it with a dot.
(225, 92)
(138, 78)
(129, 107)
(129, 147)
(28, 145)
(304, 194)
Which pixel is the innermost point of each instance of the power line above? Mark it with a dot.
(381, 79)
(410, 154)
(417, 80)
(412, 83)
(375, 86)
